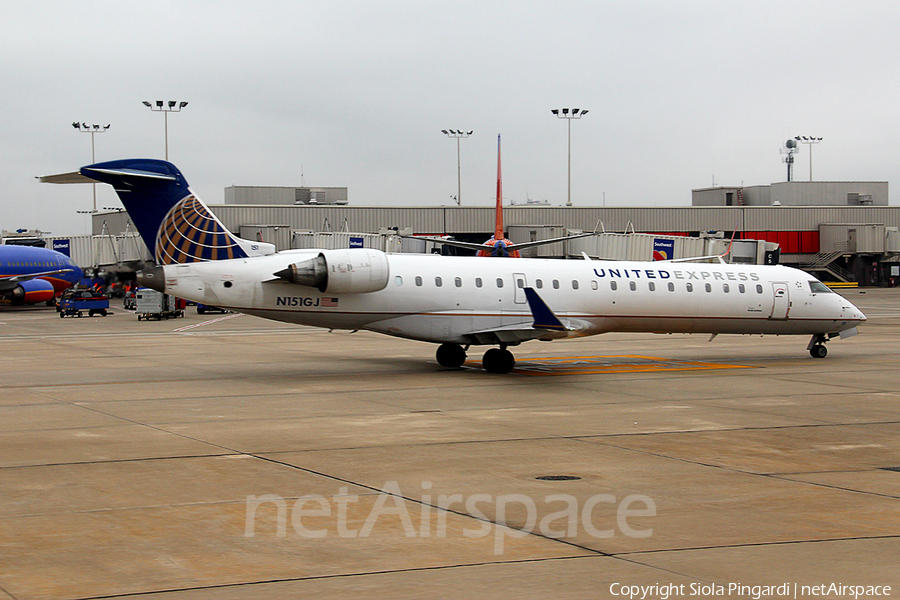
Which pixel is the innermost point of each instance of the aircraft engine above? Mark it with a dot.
(31, 292)
(351, 271)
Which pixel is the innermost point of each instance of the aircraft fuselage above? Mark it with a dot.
(452, 299)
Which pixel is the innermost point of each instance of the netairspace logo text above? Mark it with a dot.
(782, 590)
(564, 515)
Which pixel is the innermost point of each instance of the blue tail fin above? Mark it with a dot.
(174, 223)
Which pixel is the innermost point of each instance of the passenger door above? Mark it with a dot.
(781, 305)
(519, 282)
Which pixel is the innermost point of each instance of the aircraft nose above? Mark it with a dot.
(856, 314)
(153, 278)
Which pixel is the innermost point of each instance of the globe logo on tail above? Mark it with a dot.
(190, 233)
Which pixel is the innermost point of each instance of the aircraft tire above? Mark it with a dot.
(818, 351)
(450, 355)
(497, 360)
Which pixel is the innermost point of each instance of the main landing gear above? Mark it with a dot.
(817, 347)
(451, 355)
(496, 360)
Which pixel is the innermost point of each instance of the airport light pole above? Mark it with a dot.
(170, 106)
(92, 129)
(565, 113)
(809, 141)
(452, 133)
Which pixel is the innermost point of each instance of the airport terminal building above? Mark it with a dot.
(842, 231)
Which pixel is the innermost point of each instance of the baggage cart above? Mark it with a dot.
(151, 304)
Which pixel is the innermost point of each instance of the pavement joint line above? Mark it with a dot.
(153, 427)
(8, 593)
(576, 438)
(436, 506)
(775, 476)
(856, 538)
(345, 575)
(117, 460)
(780, 477)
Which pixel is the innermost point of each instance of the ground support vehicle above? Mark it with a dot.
(77, 303)
(150, 304)
(130, 300)
(203, 309)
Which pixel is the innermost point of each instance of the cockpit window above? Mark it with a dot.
(817, 287)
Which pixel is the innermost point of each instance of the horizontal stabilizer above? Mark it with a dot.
(132, 173)
(74, 177)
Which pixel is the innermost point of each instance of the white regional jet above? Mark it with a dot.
(458, 302)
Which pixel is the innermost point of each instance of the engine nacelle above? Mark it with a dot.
(32, 292)
(351, 271)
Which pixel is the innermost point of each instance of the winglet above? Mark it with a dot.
(543, 316)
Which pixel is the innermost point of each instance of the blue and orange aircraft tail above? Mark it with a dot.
(498, 244)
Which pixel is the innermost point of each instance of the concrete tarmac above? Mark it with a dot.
(229, 457)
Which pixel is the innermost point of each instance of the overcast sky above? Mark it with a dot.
(681, 94)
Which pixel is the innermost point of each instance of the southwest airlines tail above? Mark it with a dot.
(173, 222)
(498, 245)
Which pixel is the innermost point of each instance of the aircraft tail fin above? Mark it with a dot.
(176, 225)
(498, 227)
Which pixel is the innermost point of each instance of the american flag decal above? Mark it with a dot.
(330, 302)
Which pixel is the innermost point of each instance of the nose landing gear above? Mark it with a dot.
(817, 347)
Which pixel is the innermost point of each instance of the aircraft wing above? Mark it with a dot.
(525, 245)
(455, 243)
(514, 246)
(10, 281)
(544, 325)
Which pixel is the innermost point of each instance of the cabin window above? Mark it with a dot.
(538, 283)
(499, 282)
(689, 286)
(671, 287)
(574, 284)
(520, 283)
(593, 285)
(632, 285)
(398, 280)
(817, 287)
(458, 281)
(741, 288)
(478, 282)
(556, 284)
(758, 289)
(418, 281)
(438, 282)
(708, 288)
(725, 288)
(613, 285)
(652, 286)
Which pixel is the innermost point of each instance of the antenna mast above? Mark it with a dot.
(790, 148)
